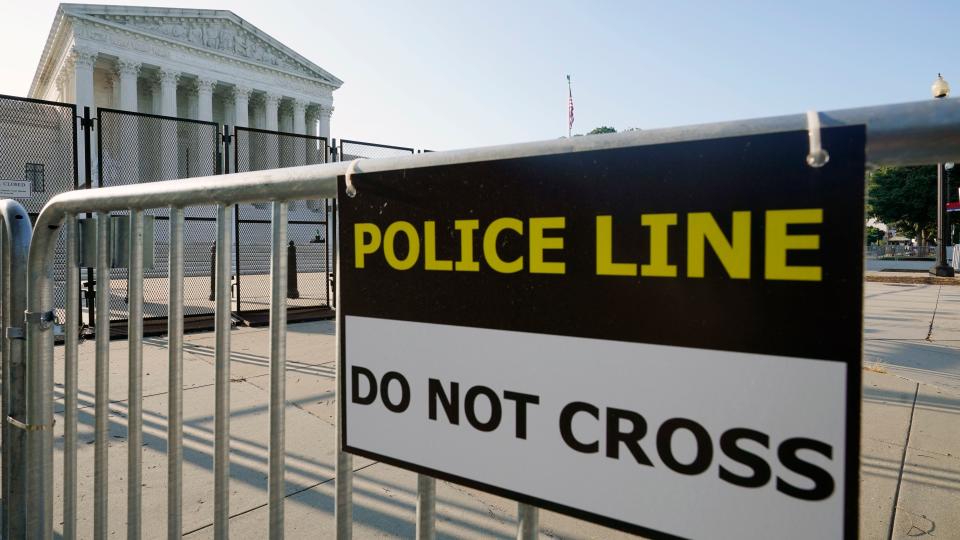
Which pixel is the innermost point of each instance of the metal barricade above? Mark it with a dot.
(15, 236)
(905, 134)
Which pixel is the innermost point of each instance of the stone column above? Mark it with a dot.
(128, 72)
(83, 61)
(154, 85)
(168, 91)
(326, 111)
(205, 99)
(314, 147)
(300, 116)
(121, 160)
(241, 115)
(299, 147)
(63, 78)
(115, 90)
(271, 104)
(169, 154)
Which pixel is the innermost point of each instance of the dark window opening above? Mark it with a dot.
(34, 175)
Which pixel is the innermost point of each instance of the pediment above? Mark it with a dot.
(220, 32)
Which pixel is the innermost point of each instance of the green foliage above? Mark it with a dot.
(905, 197)
(874, 235)
(601, 129)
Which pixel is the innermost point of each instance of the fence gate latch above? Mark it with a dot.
(46, 319)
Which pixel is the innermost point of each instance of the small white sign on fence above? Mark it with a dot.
(15, 189)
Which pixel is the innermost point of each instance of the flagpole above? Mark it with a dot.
(569, 99)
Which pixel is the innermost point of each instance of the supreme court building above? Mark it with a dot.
(190, 63)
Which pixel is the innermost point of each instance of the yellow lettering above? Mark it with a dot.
(430, 261)
(490, 245)
(735, 255)
(658, 266)
(779, 242)
(605, 264)
(363, 247)
(466, 227)
(388, 248)
(539, 244)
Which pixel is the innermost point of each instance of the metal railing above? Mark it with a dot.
(904, 134)
(897, 251)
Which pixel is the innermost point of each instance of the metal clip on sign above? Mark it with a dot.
(818, 157)
(351, 190)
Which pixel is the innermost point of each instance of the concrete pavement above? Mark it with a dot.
(910, 475)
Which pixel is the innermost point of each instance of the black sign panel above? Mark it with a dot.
(727, 265)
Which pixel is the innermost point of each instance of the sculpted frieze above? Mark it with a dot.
(218, 35)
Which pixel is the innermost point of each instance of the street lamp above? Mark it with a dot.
(940, 89)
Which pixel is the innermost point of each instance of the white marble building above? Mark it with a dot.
(190, 63)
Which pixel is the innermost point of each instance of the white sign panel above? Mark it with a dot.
(14, 189)
(541, 415)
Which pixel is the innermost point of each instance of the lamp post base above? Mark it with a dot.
(942, 270)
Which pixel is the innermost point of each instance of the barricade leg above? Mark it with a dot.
(135, 372)
(278, 359)
(528, 522)
(221, 459)
(102, 399)
(71, 344)
(175, 380)
(426, 507)
(16, 243)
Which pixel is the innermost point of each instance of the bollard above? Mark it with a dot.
(213, 272)
(90, 293)
(292, 289)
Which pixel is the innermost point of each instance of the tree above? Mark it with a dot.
(601, 129)
(905, 197)
(874, 236)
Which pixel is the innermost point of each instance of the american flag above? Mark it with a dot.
(569, 107)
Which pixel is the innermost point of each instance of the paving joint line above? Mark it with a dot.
(933, 317)
(291, 403)
(903, 461)
(287, 496)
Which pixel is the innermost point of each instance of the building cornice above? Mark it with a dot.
(84, 24)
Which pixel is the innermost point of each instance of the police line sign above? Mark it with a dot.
(663, 339)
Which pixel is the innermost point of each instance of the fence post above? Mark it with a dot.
(292, 290)
(86, 124)
(213, 271)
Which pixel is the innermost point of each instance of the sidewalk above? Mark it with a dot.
(910, 456)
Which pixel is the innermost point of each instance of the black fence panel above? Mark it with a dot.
(308, 231)
(137, 148)
(348, 150)
(38, 146)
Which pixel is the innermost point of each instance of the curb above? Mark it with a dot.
(913, 280)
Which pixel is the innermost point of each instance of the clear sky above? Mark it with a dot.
(454, 74)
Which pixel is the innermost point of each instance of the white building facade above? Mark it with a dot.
(206, 65)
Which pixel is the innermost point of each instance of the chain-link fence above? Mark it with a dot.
(38, 144)
(137, 148)
(38, 159)
(348, 150)
(309, 259)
